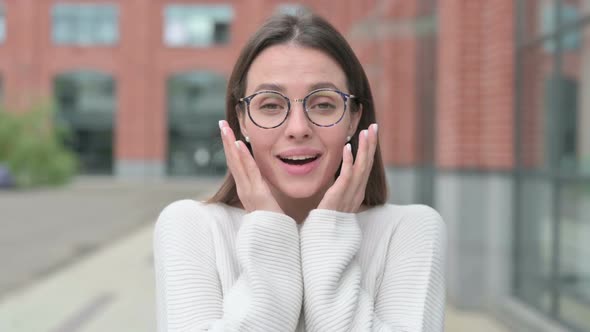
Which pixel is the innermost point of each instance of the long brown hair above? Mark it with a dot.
(308, 30)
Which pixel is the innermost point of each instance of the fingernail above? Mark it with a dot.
(224, 131)
(220, 124)
(348, 147)
(376, 127)
(237, 144)
(366, 133)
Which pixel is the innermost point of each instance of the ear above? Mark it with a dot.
(242, 120)
(355, 118)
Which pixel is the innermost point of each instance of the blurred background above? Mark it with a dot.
(110, 109)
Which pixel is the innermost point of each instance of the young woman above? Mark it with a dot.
(299, 236)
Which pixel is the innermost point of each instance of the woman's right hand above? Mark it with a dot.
(252, 189)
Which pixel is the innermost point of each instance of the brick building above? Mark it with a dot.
(482, 108)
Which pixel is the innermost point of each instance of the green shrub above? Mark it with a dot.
(31, 146)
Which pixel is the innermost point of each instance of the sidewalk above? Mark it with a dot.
(46, 229)
(112, 289)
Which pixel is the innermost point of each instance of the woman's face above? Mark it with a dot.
(295, 71)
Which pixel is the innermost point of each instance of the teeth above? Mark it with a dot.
(298, 157)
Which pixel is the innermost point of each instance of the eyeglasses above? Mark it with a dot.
(270, 109)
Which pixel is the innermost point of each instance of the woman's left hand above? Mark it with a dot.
(348, 191)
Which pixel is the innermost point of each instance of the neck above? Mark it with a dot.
(298, 208)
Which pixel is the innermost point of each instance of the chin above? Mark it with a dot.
(301, 189)
(300, 194)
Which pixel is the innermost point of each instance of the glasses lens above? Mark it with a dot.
(268, 109)
(325, 108)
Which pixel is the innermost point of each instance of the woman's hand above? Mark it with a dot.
(252, 189)
(348, 192)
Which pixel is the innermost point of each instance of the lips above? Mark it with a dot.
(299, 161)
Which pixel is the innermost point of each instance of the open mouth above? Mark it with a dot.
(298, 160)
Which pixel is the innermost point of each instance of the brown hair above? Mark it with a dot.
(308, 30)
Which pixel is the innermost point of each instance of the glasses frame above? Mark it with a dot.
(345, 96)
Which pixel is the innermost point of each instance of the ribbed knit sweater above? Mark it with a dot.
(219, 268)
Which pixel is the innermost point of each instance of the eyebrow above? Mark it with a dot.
(281, 88)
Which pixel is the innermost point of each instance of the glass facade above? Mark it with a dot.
(426, 68)
(85, 24)
(553, 154)
(291, 8)
(2, 24)
(86, 103)
(197, 25)
(196, 102)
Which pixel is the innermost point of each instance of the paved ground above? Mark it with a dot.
(80, 258)
(44, 230)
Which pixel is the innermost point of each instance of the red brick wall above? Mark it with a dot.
(497, 86)
(474, 98)
(387, 47)
(475, 95)
(140, 63)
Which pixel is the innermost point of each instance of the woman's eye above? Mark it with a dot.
(271, 106)
(323, 106)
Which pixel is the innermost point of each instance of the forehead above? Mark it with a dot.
(295, 69)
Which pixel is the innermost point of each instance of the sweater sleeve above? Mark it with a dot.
(411, 295)
(267, 294)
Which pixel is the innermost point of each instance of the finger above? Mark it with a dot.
(231, 150)
(338, 196)
(226, 140)
(341, 186)
(371, 141)
(249, 164)
(257, 193)
(346, 173)
(360, 160)
(346, 168)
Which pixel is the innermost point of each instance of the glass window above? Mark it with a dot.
(196, 102)
(197, 25)
(574, 270)
(85, 24)
(533, 13)
(535, 101)
(2, 24)
(534, 244)
(553, 227)
(86, 101)
(573, 116)
(581, 7)
(289, 8)
(568, 14)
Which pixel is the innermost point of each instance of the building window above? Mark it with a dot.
(86, 102)
(291, 8)
(196, 102)
(2, 24)
(85, 24)
(567, 14)
(552, 229)
(197, 25)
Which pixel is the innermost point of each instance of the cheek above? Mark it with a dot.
(263, 156)
(336, 141)
(335, 148)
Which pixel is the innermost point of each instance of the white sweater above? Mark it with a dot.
(219, 268)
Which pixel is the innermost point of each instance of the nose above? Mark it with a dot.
(297, 125)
